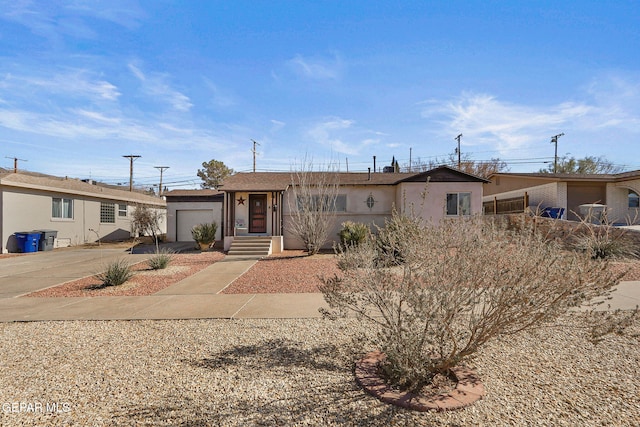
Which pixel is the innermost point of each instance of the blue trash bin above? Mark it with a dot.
(555, 213)
(28, 241)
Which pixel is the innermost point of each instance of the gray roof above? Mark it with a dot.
(76, 187)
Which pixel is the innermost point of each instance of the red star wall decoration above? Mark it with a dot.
(240, 201)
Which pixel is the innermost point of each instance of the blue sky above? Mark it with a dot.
(83, 83)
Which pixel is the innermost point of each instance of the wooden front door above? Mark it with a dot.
(257, 213)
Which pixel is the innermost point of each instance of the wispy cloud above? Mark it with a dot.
(339, 135)
(218, 97)
(155, 85)
(317, 68)
(484, 119)
(55, 19)
(276, 125)
(70, 84)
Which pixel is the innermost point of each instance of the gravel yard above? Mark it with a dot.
(289, 272)
(291, 372)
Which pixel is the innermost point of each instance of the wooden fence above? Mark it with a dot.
(506, 206)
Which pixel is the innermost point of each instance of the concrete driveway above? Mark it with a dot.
(30, 272)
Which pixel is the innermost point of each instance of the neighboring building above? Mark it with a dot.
(260, 203)
(619, 192)
(188, 208)
(80, 212)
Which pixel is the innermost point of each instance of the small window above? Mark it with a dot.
(458, 204)
(634, 199)
(61, 208)
(107, 212)
(122, 210)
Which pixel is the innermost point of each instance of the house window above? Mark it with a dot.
(634, 199)
(458, 203)
(107, 212)
(339, 205)
(122, 210)
(61, 208)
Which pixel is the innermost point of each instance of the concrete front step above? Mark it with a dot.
(250, 245)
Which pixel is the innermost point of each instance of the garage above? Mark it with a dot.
(187, 219)
(187, 208)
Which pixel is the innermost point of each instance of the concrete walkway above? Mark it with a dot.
(195, 297)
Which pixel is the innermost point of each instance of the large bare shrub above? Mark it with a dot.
(434, 294)
(313, 205)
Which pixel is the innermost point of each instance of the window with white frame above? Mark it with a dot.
(61, 208)
(107, 212)
(122, 210)
(458, 204)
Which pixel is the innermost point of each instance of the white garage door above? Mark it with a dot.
(186, 219)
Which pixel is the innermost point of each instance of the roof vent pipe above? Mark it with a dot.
(369, 177)
(374, 164)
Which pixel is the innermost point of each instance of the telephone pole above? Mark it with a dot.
(162, 169)
(554, 140)
(15, 163)
(254, 153)
(131, 158)
(458, 150)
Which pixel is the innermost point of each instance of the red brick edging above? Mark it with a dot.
(468, 390)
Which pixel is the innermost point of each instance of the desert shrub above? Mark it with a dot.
(205, 233)
(390, 245)
(353, 233)
(161, 259)
(116, 273)
(603, 240)
(460, 284)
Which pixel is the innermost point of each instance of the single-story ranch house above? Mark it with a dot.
(619, 192)
(260, 203)
(80, 212)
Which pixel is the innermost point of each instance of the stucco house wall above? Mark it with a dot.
(26, 205)
(357, 210)
(428, 200)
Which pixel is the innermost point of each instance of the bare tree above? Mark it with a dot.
(475, 167)
(313, 204)
(587, 165)
(146, 221)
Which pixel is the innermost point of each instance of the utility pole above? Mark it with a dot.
(162, 169)
(131, 158)
(254, 154)
(554, 140)
(458, 150)
(410, 150)
(15, 163)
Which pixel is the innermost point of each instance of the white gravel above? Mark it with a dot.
(291, 372)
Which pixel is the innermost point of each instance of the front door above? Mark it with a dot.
(257, 213)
